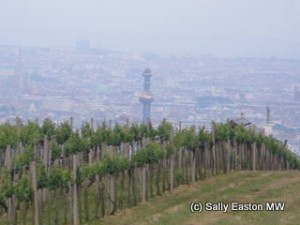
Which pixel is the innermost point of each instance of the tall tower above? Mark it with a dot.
(146, 98)
(268, 127)
(268, 115)
(213, 89)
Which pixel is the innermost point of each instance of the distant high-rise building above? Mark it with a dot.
(146, 98)
(213, 90)
(268, 127)
(82, 46)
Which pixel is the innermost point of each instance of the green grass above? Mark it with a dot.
(174, 208)
(247, 186)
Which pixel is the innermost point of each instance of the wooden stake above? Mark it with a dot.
(172, 172)
(213, 148)
(45, 153)
(75, 201)
(7, 161)
(35, 194)
(143, 184)
(254, 156)
(92, 124)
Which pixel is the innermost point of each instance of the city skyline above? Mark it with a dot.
(86, 83)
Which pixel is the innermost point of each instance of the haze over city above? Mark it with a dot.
(210, 60)
(225, 28)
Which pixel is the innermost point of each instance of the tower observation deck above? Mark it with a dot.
(146, 98)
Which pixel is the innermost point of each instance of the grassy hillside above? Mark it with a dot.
(244, 187)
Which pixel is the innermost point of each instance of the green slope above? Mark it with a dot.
(244, 187)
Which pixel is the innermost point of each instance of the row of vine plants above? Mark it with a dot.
(54, 174)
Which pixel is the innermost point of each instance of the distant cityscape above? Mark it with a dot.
(84, 83)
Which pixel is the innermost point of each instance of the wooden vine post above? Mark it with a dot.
(112, 185)
(193, 165)
(171, 172)
(143, 184)
(75, 200)
(35, 193)
(213, 148)
(7, 161)
(228, 154)
(254, 156)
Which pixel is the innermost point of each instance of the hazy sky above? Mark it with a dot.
(219, 27)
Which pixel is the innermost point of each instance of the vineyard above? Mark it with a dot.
(52, 174)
